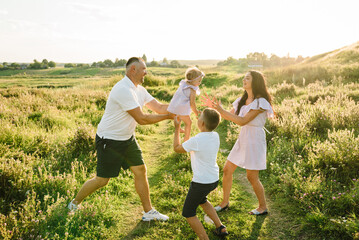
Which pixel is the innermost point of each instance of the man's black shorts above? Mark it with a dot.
(197, 194)
(112, 155)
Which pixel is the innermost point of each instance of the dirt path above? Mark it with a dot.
(152, 146)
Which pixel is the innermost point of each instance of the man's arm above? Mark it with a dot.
(177, 146)
(144, 119)
(157, 107)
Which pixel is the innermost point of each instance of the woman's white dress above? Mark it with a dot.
(180, 102)
(250, 149)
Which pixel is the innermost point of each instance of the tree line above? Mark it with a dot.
(258, 59)
(35, 65)
(118, 63)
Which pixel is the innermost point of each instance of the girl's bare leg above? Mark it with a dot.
(187, 128)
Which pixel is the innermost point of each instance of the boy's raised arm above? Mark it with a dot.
(177, 146)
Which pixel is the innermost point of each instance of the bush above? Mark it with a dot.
(284, 91)
(337, 157)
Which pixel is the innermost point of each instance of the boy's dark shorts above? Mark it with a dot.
(197, 194)
(112, 155)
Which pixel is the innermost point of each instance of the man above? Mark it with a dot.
(116, 144)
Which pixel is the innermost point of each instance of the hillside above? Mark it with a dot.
(336, 67)
(345, 55)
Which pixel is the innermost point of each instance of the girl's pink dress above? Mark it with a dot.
(250, 149)
(180, 103)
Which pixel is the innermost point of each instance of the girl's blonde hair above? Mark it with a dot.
(193, 73)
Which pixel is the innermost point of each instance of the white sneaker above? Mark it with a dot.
(72, 206)
(154, 215)
(208, 219)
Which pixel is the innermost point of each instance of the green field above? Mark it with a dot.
(48, 122)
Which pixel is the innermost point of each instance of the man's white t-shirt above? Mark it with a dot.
(117, 123)
(204, 148)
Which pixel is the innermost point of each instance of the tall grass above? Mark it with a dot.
(47, 152)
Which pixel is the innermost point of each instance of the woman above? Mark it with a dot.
(249, 151)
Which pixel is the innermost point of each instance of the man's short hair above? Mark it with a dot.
(211, 118)
(133, 60)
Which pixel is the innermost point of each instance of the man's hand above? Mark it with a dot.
(177, 121)
(171, 116)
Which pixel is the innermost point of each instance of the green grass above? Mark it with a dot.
(47, 152)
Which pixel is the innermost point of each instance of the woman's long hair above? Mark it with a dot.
(259, 89)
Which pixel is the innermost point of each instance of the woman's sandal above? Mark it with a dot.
(221, 209)
(255, 212)
(218, 231)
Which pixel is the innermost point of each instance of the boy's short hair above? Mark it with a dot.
(211, 118)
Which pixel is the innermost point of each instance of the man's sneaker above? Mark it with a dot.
(72, 206)
(154, 215)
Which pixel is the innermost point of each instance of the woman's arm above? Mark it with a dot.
(252, 114)
(192, 99)
(231, 116)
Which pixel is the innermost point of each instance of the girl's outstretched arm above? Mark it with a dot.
(192, 99)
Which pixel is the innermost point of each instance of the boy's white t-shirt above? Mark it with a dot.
(204, 148)
(117, 123)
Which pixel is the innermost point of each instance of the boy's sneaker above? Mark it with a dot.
(154, 215)
(72, 206)
(208, 219)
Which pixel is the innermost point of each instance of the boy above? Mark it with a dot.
(203, 148)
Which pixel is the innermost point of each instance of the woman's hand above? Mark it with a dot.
(206, 101)
(217, 105)
(212, 103)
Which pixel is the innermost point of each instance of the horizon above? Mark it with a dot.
(87, 31)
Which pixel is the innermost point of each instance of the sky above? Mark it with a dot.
(91, 30)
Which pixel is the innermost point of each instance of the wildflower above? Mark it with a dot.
(321, 195)
(310, 207)
(339, 194)
(304, 194)
(334, 198)
(354, 179)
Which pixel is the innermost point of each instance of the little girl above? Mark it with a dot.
(184, 98)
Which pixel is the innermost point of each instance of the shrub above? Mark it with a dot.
(337, 157)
